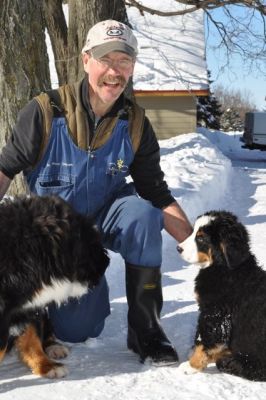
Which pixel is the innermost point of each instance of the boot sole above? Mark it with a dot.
(147, 359)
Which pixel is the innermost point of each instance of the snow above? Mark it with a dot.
(171, 50)
(204, 172)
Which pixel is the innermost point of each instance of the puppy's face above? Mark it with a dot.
(90, 256)
(197, 248)
(218, 237)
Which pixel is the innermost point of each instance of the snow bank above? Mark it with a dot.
(197, 172)
(231, 144)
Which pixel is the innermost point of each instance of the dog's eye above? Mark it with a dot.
(200, 239)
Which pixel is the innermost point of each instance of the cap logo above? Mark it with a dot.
(114, 32)
(110, 35)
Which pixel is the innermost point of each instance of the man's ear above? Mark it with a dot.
(133, 66)
(85, 58)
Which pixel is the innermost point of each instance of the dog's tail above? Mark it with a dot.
(243, 366)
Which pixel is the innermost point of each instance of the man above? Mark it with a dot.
(80, 142)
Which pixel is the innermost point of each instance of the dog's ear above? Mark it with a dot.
(232, 255)
(235, 245)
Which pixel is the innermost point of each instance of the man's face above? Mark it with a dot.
(108, 75)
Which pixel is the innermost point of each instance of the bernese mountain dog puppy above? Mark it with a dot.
(48, 252)
(231, 292)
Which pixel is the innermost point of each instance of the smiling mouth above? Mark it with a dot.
(112, 84)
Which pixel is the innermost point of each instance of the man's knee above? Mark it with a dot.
(80, 319)
(142, 213)
(77, 333)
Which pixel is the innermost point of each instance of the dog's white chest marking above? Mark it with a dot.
(59, 291)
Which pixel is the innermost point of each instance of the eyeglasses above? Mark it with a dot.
(123, 65)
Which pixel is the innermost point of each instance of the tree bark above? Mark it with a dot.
(57, 29)
(24, 70)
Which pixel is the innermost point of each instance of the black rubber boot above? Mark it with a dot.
(145, 334)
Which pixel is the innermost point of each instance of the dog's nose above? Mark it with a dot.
(179, 249)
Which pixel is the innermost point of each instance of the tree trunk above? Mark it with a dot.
(57, 29)
(24, 64)
(83, 14)
(24, 70)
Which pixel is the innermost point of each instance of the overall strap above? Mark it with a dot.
(55, 102)
(47, 113)
(50, 105)
(136, 125)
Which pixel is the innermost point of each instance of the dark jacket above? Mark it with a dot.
(23, 148)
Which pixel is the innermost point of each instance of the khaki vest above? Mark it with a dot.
(77, 121)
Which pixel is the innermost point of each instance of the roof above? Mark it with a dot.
(171, 49)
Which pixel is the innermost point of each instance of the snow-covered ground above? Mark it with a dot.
(200, 172)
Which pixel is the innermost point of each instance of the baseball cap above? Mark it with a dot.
(110, 35)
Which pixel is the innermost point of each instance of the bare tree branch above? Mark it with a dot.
(239, 28)
(194, 5)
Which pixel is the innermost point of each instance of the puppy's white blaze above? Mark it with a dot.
(189, 246)
(189, 249)
(202, 221)
(59, 291)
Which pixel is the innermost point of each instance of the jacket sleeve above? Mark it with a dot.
(146, 171)
(23, 146)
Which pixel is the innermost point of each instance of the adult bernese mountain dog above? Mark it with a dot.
(48, 252)
(231, 292)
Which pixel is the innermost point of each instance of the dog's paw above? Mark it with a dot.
(56, 351)
(57, 371)
(186, 368)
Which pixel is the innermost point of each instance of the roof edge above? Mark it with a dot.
(171, 93)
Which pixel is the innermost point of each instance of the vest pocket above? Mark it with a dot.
(61, 185)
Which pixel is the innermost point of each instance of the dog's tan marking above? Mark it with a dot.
(2, 353)
(218, 352)
(205, 257)
(201, 358)
(200, 233)
(32, 354)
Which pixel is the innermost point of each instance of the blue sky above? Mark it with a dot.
(254, 84)
(235, 77)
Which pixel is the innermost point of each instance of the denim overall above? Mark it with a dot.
(94, 183)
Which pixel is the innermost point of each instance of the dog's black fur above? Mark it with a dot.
(231, 294)
(41, 239)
